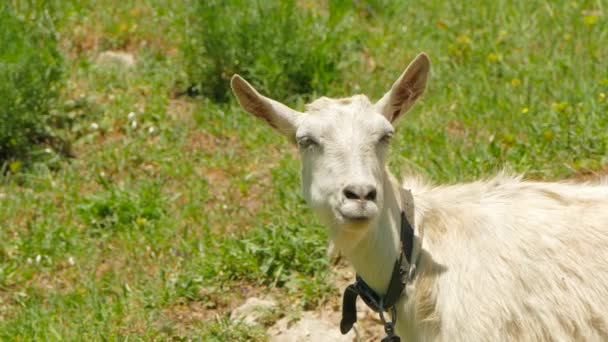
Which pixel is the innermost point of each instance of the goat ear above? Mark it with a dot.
(274, 113)
(406, 90)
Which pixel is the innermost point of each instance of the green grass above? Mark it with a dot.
(30, 79)
(277, 45)
(169, 217)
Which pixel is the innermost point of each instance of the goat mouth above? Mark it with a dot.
(356, 218)
(356, 213)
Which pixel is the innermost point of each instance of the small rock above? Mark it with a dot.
(309, 328)
(253, 310)
(116, 58)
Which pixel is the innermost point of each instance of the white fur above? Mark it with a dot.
(502, 259)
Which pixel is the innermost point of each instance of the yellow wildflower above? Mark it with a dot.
(590, 19)
(141, 221)
(463, 39)
(559, 106)
(493, 57)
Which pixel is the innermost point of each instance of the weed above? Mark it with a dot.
(279, 46)
(118, 208)
(31, 71)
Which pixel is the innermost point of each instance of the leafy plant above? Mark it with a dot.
(117, 207)
(277, 45)
(31, 73)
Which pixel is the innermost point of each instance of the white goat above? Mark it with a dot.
(500, 260)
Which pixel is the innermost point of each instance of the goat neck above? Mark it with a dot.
(373, 255)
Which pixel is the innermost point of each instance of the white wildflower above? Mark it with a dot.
(131, 115)
(94, 126)
(134, 124)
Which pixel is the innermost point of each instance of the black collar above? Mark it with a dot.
(399, 278)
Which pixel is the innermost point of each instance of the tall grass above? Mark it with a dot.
(280, 46)
(31, 71)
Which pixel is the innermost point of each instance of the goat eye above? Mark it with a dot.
(386, 138)
(306, 142)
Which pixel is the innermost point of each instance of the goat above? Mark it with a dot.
(501, 259)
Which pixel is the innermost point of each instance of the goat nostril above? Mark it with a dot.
(350, 195)
(371, 196)
(360, 192)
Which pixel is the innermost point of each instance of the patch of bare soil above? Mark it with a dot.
(83, 39)
(457, 129)
(89, 36)
(60, 280)
(18, 220)
(7, 305)
(322, 323)
(240, 191)
(242, 204)
(185, 315)
(182, 109)
(201, 141)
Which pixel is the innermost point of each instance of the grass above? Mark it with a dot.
(261, 41)
(169, 217)
(30, 76)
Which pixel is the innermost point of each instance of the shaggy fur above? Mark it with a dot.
(510, 260)
(498, 260)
